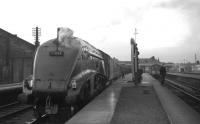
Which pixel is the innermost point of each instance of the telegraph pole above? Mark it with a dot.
(36, 32)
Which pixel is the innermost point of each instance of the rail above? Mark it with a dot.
(4, 87)
(196, 90)
(12, 109)
(10, 104)
(195, 73)
(184, 89)
(37, 121)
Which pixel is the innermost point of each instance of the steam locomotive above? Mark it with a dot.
(67, 71)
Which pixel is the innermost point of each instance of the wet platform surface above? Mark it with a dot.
(124, 103)
(100, 110)
(139, 105)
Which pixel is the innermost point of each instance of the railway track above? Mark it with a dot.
(53, 119)
(188, 94)
(23, 114)
(12, 109)
(7, 105)
(37, 121)
(195, 73)
(19, 114)
(194, 89)
(186, 89)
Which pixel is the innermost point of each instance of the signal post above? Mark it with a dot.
(134, 60)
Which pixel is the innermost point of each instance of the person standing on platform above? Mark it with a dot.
(140, 72)
(123, 75)
(162, 73)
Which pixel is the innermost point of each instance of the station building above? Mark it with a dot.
(150, 65)
(16, 58)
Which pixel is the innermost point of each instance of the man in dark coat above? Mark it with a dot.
(162, 73)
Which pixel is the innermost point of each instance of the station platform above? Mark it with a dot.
(124, 103)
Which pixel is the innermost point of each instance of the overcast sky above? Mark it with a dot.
(168, 29)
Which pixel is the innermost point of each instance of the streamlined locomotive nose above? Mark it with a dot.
(54, 64)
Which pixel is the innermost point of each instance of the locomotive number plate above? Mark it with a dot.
(56, 53)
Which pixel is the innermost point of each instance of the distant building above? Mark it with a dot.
(189, 67)
(16, 58)
(196, 68)
(125, 62)
(150, 65)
